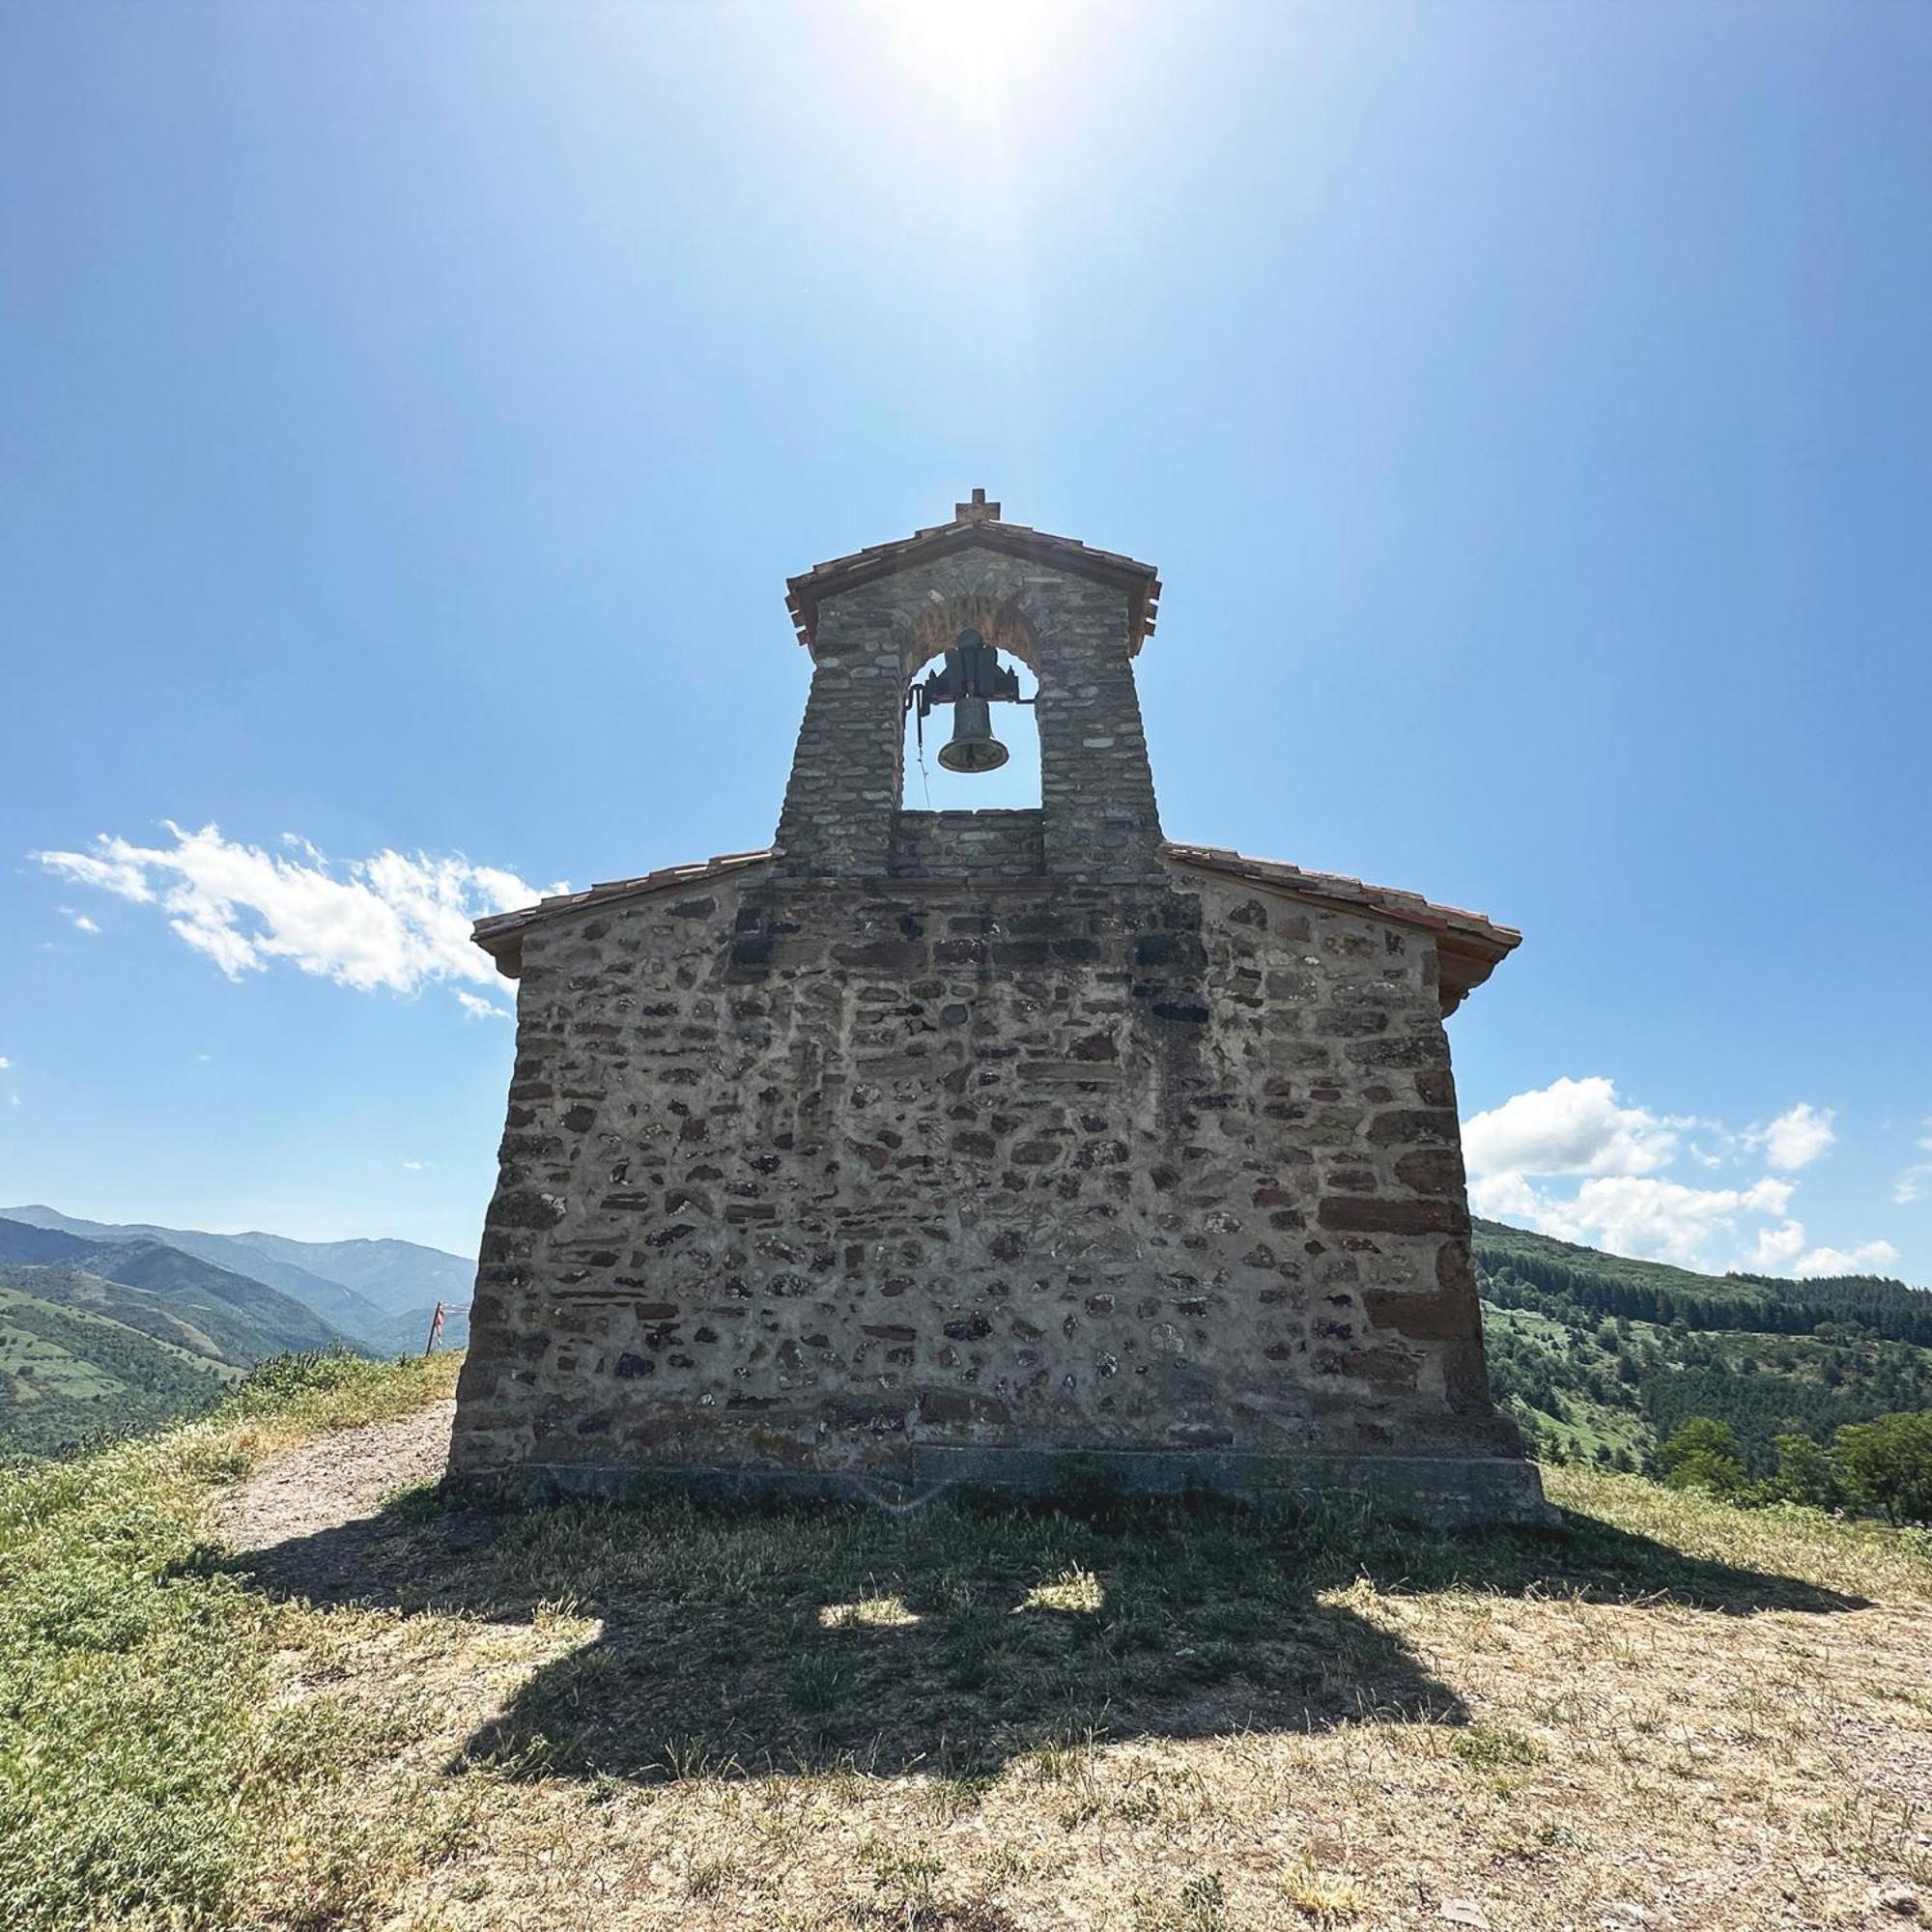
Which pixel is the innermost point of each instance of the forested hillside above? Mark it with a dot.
(179, 1298)
(69, 1376)
(102, 1338)
(1600, 1359)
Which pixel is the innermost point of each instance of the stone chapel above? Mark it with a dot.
(933, 1147)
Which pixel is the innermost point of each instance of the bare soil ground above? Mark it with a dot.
(336, 1479)
(1675, 1715)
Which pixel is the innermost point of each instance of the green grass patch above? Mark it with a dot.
(147, 1773)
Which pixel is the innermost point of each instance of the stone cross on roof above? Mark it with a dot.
(978, 511)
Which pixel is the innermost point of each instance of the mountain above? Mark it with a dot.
(108, 1326)
(397, 1276)
(381, 1293)
(337, 1303)
(1601, 1358)
(70, 1375)
(165, 1292)
(102, 1337)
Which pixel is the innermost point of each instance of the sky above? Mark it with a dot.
(409, 414)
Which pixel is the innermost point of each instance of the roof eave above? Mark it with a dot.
(501, 934)
(1469, 947)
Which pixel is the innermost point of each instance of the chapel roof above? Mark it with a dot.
(500, 934)
(976, 524)
(1468, 945)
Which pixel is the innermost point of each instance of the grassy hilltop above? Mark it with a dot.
(278, 1701)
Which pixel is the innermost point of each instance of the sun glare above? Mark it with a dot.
(988, 61)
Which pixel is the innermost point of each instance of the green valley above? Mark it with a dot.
(109, 1329)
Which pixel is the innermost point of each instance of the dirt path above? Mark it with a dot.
(336, 1479)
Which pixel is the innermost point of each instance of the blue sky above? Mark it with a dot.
(411, 415)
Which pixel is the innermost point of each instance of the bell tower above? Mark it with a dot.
(979, 590)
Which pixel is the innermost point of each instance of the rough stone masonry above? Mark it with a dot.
(924, 1147)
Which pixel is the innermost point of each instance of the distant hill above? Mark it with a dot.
(111, 1326)
(105, 1337)
(178, 1297)
(1657, 1291)
(397, 1276)
(379, 1292)
(69, 1376)
(1601, 1358)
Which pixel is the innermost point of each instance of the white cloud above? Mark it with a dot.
(83, 924)
(1577, 1161)
(5, 1062)
(1505, 1197)
(1795, 1138)
(1571, 1127)
(1864, 1258)
(395, 921)
(1654, 1219)
(1916, 1182)
(415, 1166)
(1782, 1250)
(1778, 1248)
(479, 1008)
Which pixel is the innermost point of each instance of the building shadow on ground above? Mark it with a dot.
(739, 1640)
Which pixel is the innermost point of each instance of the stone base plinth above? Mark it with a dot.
(1447, 1491)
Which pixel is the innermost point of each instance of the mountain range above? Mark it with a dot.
(105, 1326)
(377, 1292)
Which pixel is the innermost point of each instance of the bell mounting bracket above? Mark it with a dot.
(972, 670)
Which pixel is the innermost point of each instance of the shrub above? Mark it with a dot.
(271, 1383)
(1704, 1455)
(1887, 1465)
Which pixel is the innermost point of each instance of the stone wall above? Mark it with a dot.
(968, 845)
(823, 1174)
(950, 1144)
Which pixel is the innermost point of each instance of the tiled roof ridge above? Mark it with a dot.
(994, 523)
(500, 926)
(1410, 907)
(1473, 928)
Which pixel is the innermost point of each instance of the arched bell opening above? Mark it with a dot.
(1005, 622)
(971, 740)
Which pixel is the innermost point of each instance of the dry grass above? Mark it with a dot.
(1676, 1715)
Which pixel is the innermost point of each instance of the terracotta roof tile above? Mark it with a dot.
(501, 934)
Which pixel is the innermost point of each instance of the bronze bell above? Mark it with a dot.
(971, 680)
(972, 746)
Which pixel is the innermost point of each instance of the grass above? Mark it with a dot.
(977, 1718)
(151, 1768)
